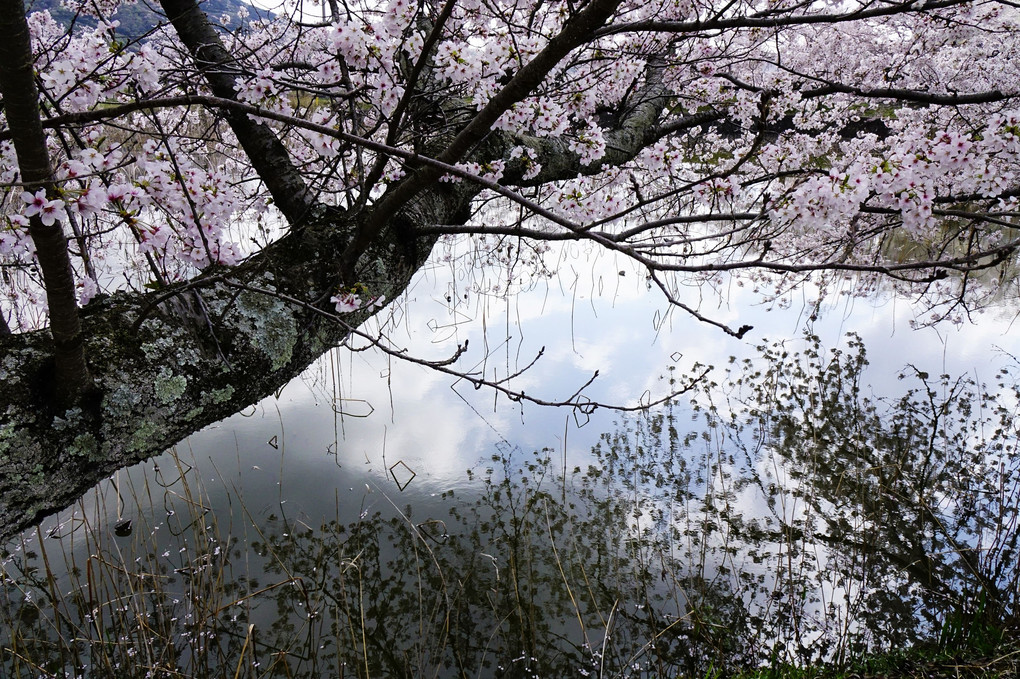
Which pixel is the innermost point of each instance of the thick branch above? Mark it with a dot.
(577, 30)
(913, 96)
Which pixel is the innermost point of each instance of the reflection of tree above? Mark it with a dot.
(537, 575)
(798, 519)
(890, 519)
(516, 582)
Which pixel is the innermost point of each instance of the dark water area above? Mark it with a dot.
(375, 519)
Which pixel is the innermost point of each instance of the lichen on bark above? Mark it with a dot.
(159, 377)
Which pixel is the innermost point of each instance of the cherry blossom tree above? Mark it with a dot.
(190, 219)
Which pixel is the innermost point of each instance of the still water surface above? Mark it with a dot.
(376, 518)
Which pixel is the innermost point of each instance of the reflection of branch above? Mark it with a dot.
(574, 401)
(739, 333)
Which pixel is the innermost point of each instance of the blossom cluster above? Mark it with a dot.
(348, 300)
(803, 126)
(908, 177)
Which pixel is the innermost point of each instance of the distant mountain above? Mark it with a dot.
(138, 18)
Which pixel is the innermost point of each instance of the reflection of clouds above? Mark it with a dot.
(323, 465)
(414, 417)
(590, 318)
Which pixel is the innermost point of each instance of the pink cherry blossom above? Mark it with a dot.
(346, 302)
(48, 210)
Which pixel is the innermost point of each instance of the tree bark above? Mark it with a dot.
(156, 382)
(21, 107)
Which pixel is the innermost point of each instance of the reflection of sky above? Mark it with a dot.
(590, 319)
(297, 450)
(323, 448)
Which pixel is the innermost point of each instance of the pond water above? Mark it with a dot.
(379, 518)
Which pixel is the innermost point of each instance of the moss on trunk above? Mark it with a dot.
(160, 376)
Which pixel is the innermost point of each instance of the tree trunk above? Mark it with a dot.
(156, 382)
(21, 106)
